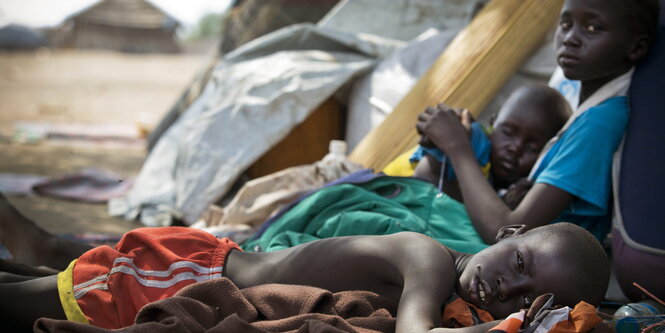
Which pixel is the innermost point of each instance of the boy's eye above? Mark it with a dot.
(564, 25)
(520, 263)
(591, 28)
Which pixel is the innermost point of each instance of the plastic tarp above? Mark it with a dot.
(428, 26)
(259, 92)
(256, 95)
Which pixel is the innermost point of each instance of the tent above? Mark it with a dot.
(134, 26)
(255, 95)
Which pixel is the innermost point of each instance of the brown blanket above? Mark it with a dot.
(219, 306)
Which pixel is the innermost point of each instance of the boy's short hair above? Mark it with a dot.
(643, 14)
(585, 254)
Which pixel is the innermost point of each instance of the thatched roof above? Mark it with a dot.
(126, 13)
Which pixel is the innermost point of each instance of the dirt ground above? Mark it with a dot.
(95, 88)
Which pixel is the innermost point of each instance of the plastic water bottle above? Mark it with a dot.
(633, 317)
(335, 164)
(336, 151)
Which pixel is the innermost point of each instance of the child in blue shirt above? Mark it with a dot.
(597, 43)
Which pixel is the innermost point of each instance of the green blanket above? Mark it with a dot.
(384, 205)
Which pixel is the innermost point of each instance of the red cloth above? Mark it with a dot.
(148, 264)
(460, 313)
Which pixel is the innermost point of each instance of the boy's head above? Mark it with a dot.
(598, 40)
(528, 119)
(561, 258)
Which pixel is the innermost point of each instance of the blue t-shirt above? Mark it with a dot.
(580, 163)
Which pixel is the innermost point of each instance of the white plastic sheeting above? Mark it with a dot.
(400, 19)
(375, 95)
(256, 95)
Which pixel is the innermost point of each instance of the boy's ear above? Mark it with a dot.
(640, 48)
(510, 231)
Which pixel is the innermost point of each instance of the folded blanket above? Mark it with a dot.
(219, 306)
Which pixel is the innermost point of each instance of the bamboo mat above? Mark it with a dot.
(468, 73)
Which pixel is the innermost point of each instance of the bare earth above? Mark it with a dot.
(93, 87)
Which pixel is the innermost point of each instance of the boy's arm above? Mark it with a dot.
(429, 279)
(408, 267)
(487, 211)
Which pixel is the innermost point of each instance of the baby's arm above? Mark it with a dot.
(428, 169)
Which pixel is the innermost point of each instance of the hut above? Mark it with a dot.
(15, 37)
(133, 26)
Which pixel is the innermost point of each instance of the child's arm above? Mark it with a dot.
(408, 267)
(428, 169)
(429, 278)
(487, 211)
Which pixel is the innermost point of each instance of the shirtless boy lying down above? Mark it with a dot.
(106, 287)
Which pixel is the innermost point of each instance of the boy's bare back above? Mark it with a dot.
(409, 268)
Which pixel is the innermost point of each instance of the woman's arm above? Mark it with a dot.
(487, 211)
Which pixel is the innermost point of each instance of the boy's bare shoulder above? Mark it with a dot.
(402, 240)
(413, 239)
(412, 246)
(382, 264)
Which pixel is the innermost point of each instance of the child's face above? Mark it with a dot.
(520, 133)
(593, 40)
(513, 272)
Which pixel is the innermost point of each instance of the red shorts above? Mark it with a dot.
(106, 286)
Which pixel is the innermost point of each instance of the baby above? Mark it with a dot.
(527, 120)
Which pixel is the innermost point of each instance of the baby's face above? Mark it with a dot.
(518, 137)
(509, 275)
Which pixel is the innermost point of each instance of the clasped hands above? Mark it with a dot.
(444, 127)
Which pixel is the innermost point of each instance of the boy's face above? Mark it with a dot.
(593, 40)
(509, 275)
(520, 133)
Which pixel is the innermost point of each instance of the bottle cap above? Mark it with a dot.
(337, 147)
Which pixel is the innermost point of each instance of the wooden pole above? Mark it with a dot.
(468, 73)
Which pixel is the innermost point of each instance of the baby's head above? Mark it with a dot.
(528, 119)
(598, 40)
(560, 258)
